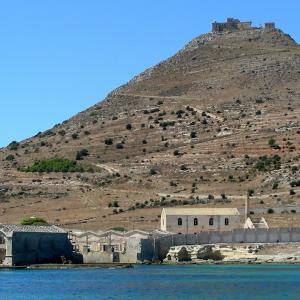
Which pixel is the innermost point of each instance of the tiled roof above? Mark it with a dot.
(205, 211)
(7, 228)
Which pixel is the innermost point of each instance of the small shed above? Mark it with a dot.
(25, 245)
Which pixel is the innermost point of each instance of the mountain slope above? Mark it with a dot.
(190, 130)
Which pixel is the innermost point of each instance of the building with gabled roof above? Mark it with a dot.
(25, 245)
(195, 220)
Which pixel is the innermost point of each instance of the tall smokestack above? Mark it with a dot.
(247, 207)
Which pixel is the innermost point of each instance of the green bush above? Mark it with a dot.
(34, 221)
(55, 165)
(193, 135)
(10, 157)
(122, 229)
(75, 136)
(152, 172)
(81, 153)
(266, 163)
(13, 146)
(108, 141)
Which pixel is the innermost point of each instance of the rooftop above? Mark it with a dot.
(207, 211)
(10, 228)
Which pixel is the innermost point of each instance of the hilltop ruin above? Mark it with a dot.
(235, 25)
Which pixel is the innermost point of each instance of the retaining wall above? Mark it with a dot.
(158, 248)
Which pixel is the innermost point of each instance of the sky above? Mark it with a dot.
(58, 57)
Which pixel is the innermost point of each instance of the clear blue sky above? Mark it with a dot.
(58, 57)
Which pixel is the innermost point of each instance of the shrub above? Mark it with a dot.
(128, 126)
(295, 183)
(292, 192)
(108, 141)
(10, 157)
(207, 253)
(119, 146)
(266, 163)
(270, 211)
(81, 153)
(122, 229)
(193, 135)
(271, 142)
(250, 192)
(62, 132)
(275, 185)
(55, 165)
(75, 136)
(152, 172)
(176, 152)
(115, 204)
(34, 221)
(13, 146)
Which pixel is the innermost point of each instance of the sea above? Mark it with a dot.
(222, 282)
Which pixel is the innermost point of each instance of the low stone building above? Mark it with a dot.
(109, 246)
(25, 245)
(195, 220)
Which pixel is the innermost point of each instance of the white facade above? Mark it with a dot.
(194, 220)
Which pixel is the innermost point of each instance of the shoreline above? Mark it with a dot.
(126, 266)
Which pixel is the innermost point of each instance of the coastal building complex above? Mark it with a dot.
(195, 220)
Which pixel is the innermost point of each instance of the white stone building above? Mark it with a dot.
(195, 220)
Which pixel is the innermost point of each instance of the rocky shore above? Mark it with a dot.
(235, 254)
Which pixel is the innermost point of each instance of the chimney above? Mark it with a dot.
(247, 207)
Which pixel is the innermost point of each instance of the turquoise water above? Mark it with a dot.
(155, 282)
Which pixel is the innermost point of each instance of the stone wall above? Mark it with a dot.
(158, 248)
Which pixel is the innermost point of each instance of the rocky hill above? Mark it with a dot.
(216, 121)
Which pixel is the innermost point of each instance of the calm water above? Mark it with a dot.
(155, 282)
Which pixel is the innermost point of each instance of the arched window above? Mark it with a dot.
(179, 221)
(226, 221)
(211, 221)
(195, 222)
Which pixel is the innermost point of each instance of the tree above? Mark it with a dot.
(34, 221)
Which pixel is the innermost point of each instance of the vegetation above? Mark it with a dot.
(34, 221)
(208, 253)
(75, 136)
(10, 157)
(81, 153)
(54, 165)
(122, 229)
(193, 135)
(152, 172)
(13, 146)
(266, 163)
(108, 141)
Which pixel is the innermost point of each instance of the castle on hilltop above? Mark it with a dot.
(236, 25)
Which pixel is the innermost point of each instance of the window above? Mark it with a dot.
(226, 221)
(179, 222)
(211, 221)
(195, 222)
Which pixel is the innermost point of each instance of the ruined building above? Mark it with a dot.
(235, 25)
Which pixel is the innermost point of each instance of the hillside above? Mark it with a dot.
(216, 120)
